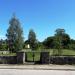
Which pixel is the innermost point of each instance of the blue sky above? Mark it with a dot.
(43, 16)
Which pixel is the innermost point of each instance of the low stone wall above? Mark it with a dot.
(18, 59)
(8, 60)
(44, 58)
(62, 60)
(21, 57)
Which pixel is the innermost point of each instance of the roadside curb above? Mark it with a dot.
(39, 67)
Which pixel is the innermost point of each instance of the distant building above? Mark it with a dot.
(27, 46)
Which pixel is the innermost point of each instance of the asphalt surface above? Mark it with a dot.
(35, 72)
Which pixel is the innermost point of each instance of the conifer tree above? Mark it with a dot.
(15, 35)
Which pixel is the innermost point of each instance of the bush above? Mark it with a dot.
(72, 46)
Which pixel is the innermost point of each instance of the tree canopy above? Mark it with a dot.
(32, 39)
(15, 35)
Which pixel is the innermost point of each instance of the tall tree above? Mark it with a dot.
(32, 41)
(15, 35)
(58, 40)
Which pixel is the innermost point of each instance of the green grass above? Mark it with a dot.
(10, 54)
(68, 52)
(37, 54)
(30, 56)
(64, 52)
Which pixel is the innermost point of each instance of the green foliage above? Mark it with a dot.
(58, 40)
(3, 45)
(72, 41)
(71, 46)
(49, 42)
(32, 39)
(58, 48)
(14, 35)
(40, 46)
(9, 54)
(68, 52)
(65, 41)
(61, 40)
(36, 56)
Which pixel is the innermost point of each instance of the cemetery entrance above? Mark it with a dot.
(37, 57)
(32, 57)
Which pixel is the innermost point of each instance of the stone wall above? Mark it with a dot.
(62, 60)
(44, 57)
(8, 60)
(21, 57)
(18, 59)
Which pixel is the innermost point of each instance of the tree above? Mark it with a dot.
(40, 46)
(58, 40)
(65, 40)
(72, 44)
(49, 42)
(32, 41)
(3, 45)
(14, 35)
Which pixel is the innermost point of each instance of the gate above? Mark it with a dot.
(32, 57)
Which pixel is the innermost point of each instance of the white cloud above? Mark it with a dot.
(2, 37)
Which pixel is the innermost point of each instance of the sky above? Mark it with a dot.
(43, 16)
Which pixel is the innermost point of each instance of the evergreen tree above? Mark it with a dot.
(32, 39)
(14, 35)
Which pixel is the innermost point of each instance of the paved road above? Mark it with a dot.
(35, 72)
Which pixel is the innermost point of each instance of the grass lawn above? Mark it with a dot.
(10, 54)
(30, 56)
(68, 52)
(37, 54)
(64, 52)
